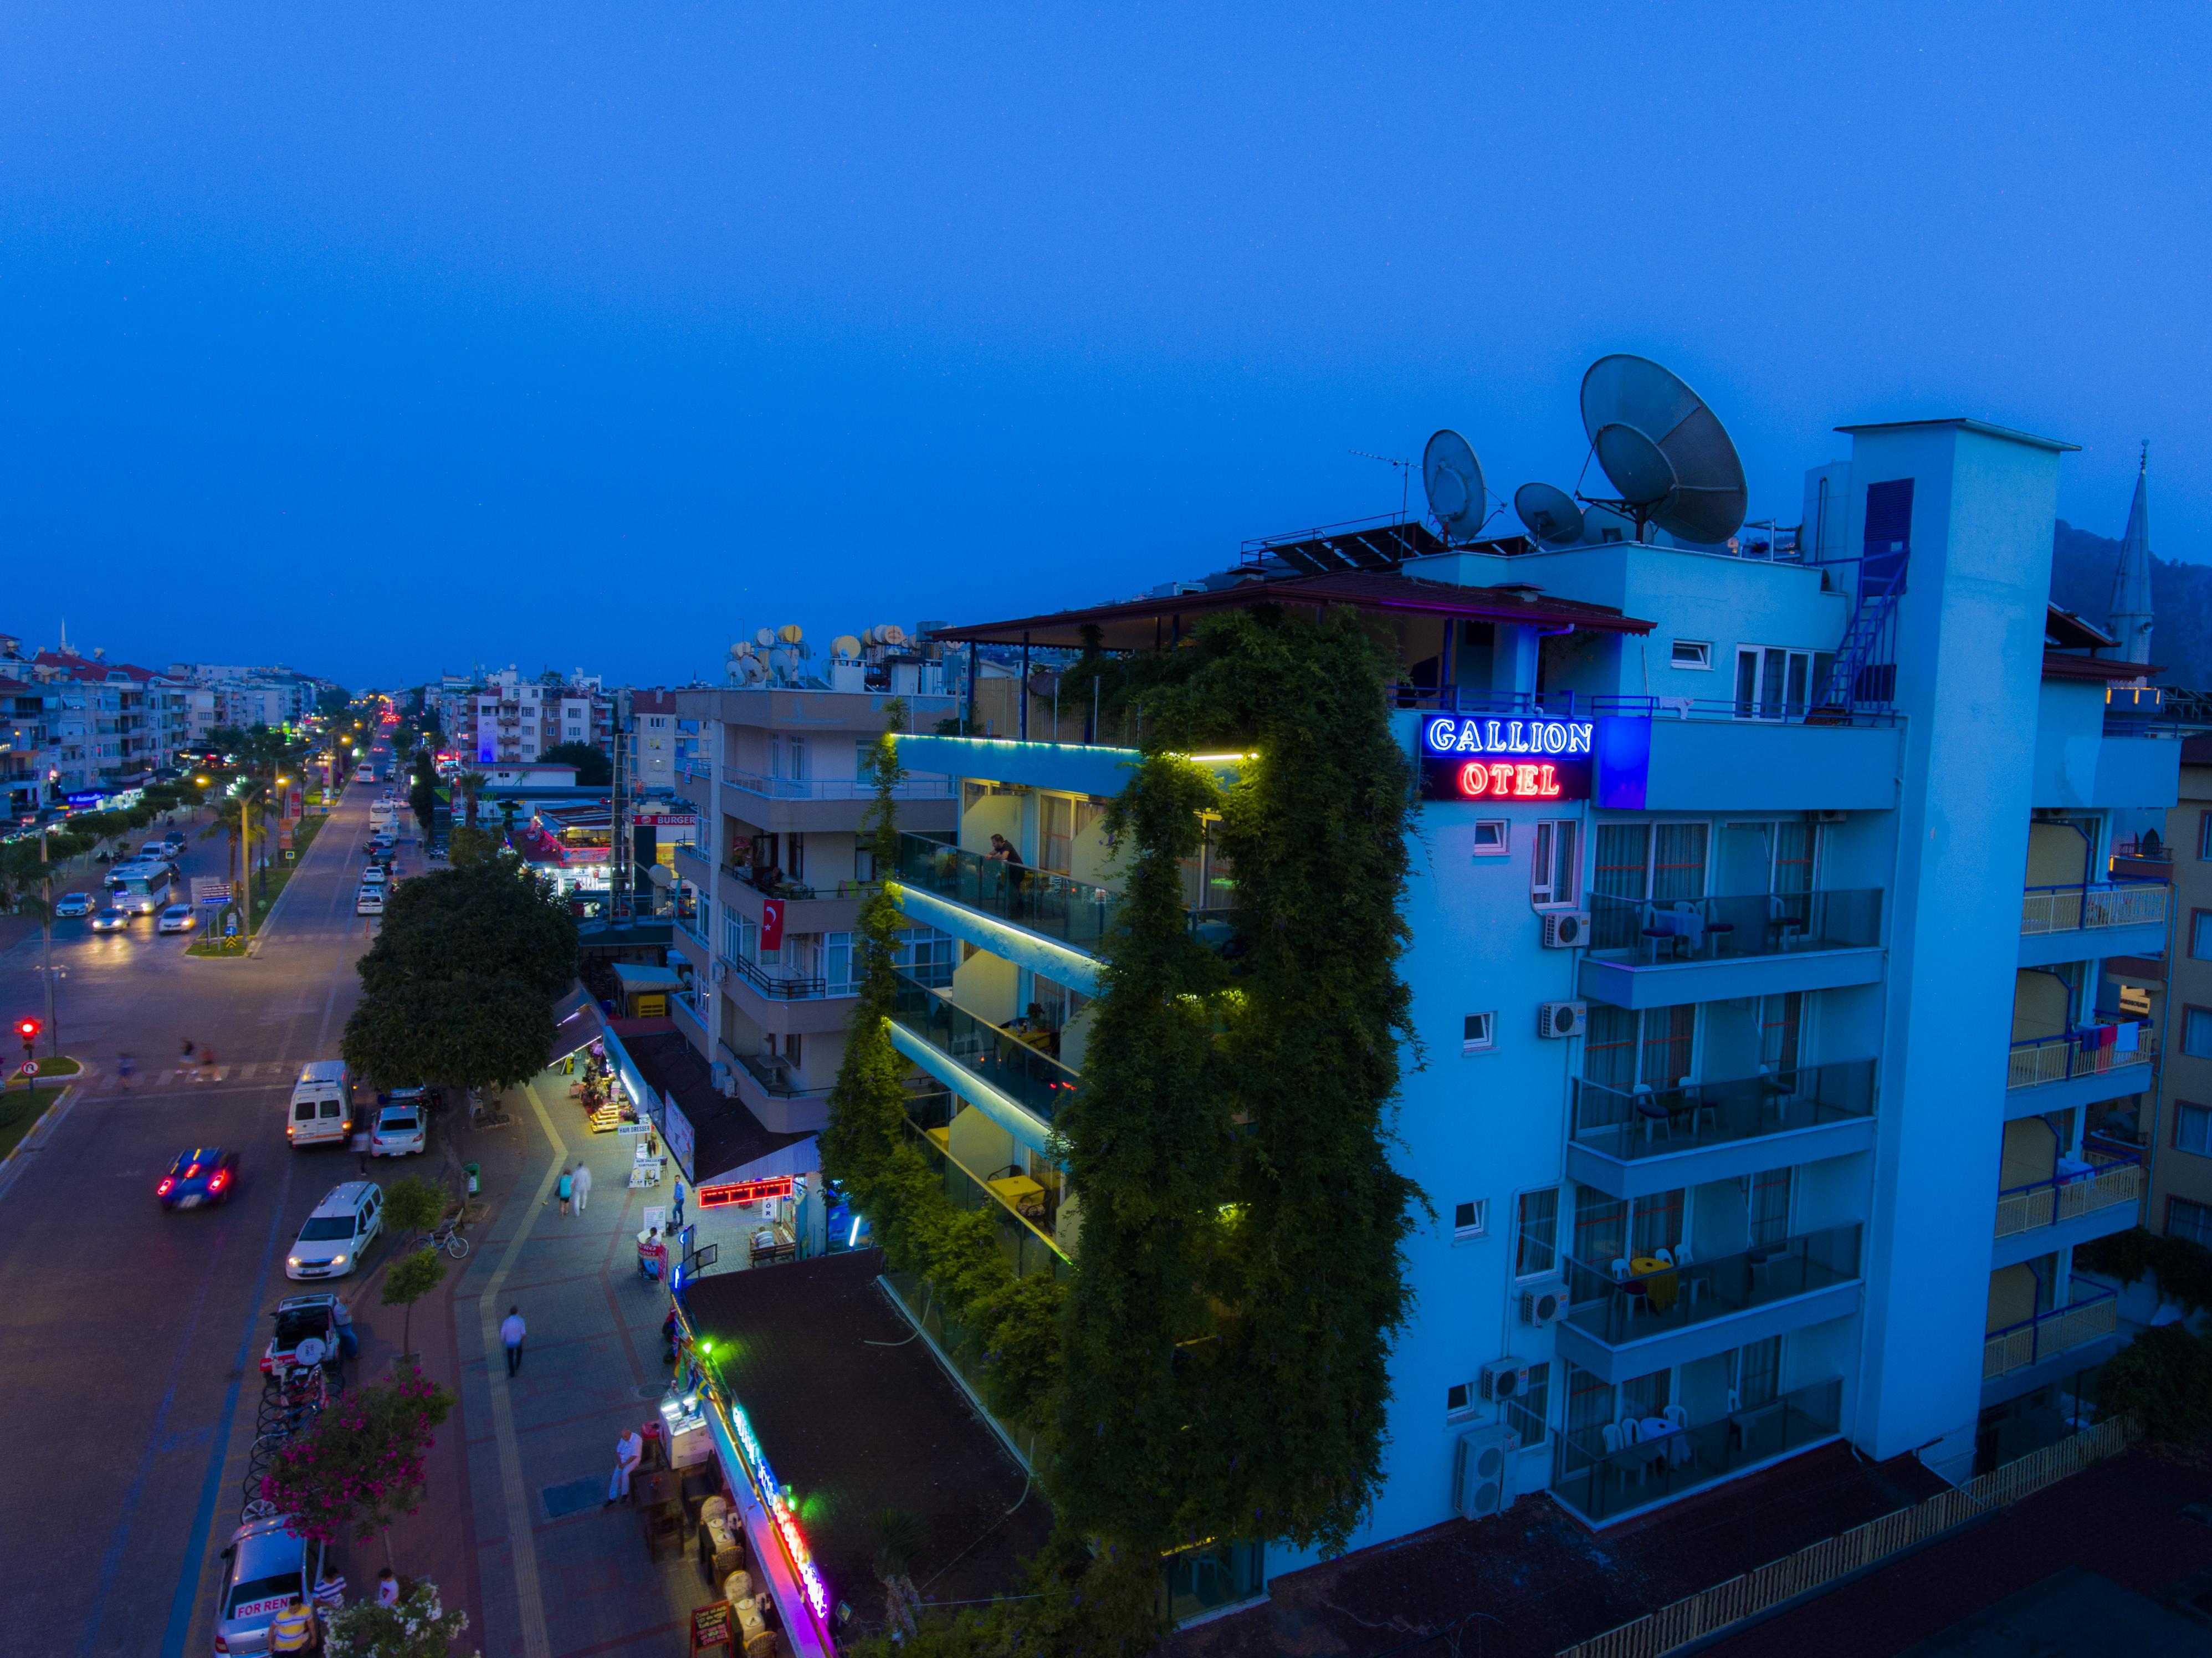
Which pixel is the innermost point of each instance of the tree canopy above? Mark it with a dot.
(484, 922)
(593, 769)
(471, 1032)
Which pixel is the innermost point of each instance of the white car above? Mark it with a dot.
(74, 904)
(343, 1224)
(177, 918)
(398, 1133)
(265, 1569)
(373, 876)
(369, 901)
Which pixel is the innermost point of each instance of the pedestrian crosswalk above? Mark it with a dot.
(267, 1072)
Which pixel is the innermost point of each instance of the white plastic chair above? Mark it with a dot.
(1664, 1257)
(1694, 1097)
(1644, 1100)
(1615, 1442)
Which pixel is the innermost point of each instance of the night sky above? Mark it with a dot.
(381, 340)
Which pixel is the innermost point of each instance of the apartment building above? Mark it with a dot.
(655, 736)
(511, 719)
(2180, 1132)
(1773, 1011)
(773, 884)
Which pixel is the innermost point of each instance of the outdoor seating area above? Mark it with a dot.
(1018, 1061)
(1630, 1299)
(1650, 931)
(1650, 1120)
(1617, 1467)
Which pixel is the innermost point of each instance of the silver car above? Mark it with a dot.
(265, 1569)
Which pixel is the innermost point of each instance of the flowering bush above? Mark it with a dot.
(361, 1466)
(418, 1627)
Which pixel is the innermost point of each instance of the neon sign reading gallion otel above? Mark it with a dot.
(1479, 758)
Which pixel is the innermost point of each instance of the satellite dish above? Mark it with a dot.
(752, 670)
(764, 637)
(1665, 451)
(1453, 477)
(1550, 513)
(1603, 524)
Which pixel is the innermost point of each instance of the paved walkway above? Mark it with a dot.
(515, 1529)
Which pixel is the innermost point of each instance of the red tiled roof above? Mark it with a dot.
(1140, 623)
(2062, 664)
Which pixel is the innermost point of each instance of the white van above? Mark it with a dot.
(321, 1112)
(332, 1238)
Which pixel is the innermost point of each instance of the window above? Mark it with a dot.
(1693, 653)
(1477, 1033)
(1780, 1020)
(2192, 1128)
(1526, 1415)
(1459, 1398)
(2204, 834)
(1471, 1220)
(1055, 841)
(2197, 1032)
(1555, 864)
(1773, 683)
(1759, 1373)
(2193, 1221)
(2200, 934)
(1622, 1048)
(1770, 1209)
(1490, 836)
(1536, 1233)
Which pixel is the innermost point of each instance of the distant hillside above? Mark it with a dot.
(2082, 566)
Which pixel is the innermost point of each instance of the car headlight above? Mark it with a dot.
(337, 1260)
(292, 1261)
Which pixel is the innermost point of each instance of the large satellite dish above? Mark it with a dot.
(1665, 451)
(1550, 513)
(1453, 477)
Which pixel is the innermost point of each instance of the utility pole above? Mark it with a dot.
(46, 941)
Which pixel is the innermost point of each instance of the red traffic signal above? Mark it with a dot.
(28, 1029)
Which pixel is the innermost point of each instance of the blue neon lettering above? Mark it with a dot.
(1578, 738)
(1439, 735)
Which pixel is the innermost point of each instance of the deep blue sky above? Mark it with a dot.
(383, 339)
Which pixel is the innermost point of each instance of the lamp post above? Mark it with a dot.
(46, 941)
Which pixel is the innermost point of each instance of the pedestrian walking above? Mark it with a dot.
(581, 1185)
(629, 1451)
(293, 1630)
(184, 1059)
(387, 1587)
(208, 1073)
(511, 1332)
(565, 1189)
(125, 1065)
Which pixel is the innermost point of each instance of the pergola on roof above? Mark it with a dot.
(1140, 624)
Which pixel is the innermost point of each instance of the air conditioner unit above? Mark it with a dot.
(1543, 1303)
(1561, 1018)
(1483, 1464)
(1505, 1378)
(717, 972)
(1566, 929)
(1828, 815)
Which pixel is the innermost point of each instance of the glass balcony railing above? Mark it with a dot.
(1649, 1121)
(1600, 1471)
(2097, 1180)
(834, 788)
(1622, 1301)
(2092, 1315)
(1017, 1066)
(1650, 931)
(1076, 912)
(2098, 904)
(2041, 1059)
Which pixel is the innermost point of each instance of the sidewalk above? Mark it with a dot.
(515, 1528)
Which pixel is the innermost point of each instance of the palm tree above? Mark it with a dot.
(228, 815)
(471, 782)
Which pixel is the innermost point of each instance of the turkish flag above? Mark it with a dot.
(772, 923)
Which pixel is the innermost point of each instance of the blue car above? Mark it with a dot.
(206, 1176)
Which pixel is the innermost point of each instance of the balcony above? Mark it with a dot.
(2086, 1198)
(1603, 1484)
(1074, 913)
(834, 788)
(1012, 1064)
(2077, 1069)
(780, 984)
(1663, 952)
(805, 909)
(1621, 1326)
(2085, 1322)
(1632, 1143)
(2101, 918)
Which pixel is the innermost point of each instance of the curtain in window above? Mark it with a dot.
(1609, 1049)
(1759, 1372)
(1668, 1033)
(1624, 852)
(1779, 1017)
(1647, 1395)
(1536, 1237)
(1770, 1209)
(1658, 1223)
(1677, 862)
(1589, 1407)
(1056, 838)
(1601, 1228)
(1793, 858)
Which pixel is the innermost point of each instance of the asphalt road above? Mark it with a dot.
(129, 1337)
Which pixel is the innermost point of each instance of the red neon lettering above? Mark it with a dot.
(1473, 779)
(1549, 786)
(1524, 780)
(1501, 778)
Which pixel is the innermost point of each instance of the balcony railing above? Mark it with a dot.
(1016, 1068)
(2043, 1059)
(1618, 1309)
(773, 1073)
(1647, 1121)
(2091, 1315)
(1076, 912)
(1656, 930)
(834, 788)
(2103, 1181)
(775, 984)
(1597, 1482)
(2100, 904)
(1773, 710)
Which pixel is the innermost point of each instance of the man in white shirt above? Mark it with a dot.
(629, 1450)
(511, 1333)
(582, 1186)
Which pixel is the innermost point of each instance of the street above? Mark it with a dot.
(132, 1334)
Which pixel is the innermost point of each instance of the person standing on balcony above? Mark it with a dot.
(1004, 850)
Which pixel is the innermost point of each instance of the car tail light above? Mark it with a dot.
(163, 1190)
(222, 1179)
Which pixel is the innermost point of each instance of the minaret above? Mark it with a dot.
(2131, 613)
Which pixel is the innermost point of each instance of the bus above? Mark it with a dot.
(141, 888)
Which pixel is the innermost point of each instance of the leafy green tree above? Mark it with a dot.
(2163, 1378)
(593, 769)
(412, 1205)
(360, 1466)
(409, 1279)
(471, 784)
(476, 922)
(418, 1627)
(474, 1032)
(474, 849)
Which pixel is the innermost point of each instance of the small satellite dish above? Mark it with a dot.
(752, 670)
(1453, 477)
(1603, 524)
(764, 637)
(1665, 451)
(1550, 513)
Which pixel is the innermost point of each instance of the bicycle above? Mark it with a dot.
(447, 1237)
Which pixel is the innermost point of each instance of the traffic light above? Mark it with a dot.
(28, 1030)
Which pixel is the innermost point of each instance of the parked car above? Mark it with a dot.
(266, 1568)
(177, 918)
(373, 876)
(109, 918)
(369, 901)
(397, 1133)
(332, 1238)
(319, 1316)
(73, 904)
(205, 1175)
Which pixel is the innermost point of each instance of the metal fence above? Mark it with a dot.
(1820, 1564)
(2055, 1059)
(2099, 904)
(2032, 1340)
(2113, 1179)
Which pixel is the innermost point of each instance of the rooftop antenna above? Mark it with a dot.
(1453, 477)
(1666, 452)
(1405, 475)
